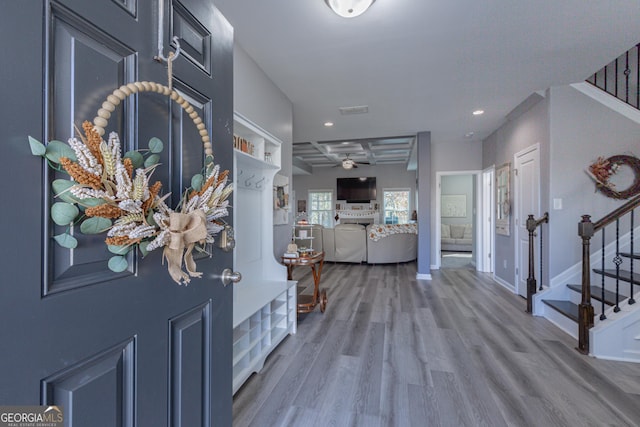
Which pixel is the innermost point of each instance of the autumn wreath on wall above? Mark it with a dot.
(112, 192)
(602, 171)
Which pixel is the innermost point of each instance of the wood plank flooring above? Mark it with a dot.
(456, 351)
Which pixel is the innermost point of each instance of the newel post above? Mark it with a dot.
(585, 309)
(531, 279)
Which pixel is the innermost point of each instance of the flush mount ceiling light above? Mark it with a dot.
(328, 124)
(349, 8)
(478, 112)
(348, 163)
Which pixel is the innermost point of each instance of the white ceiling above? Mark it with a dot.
(422, 65)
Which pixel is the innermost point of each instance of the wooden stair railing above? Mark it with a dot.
(532, 225)
(586, 230)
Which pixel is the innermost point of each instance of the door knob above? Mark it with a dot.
(229, 276)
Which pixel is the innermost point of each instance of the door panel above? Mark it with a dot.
(107, 377)
(112, 349)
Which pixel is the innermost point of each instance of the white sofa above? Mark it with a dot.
(356, 244)
(345, 243)
(392, 248)
(456, 237)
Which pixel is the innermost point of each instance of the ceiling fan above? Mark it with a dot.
(349, 163)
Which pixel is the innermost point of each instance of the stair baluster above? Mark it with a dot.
(632, 260)
(602, 278)
(617, 261)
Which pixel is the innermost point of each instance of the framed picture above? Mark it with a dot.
(503, 202)
(453, 206)
(280, 199)
(302, 206)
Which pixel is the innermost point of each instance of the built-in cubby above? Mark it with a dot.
(264, 301)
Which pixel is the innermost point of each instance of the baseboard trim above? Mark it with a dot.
(504, 283)
(423, 276)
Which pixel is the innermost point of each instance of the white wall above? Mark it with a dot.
(258, 99)
(387, 176)
(461, 185)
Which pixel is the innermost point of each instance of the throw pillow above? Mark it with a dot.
(457, 231)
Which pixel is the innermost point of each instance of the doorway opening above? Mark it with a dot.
(457, 219)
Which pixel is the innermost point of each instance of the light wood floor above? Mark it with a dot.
(456, 351)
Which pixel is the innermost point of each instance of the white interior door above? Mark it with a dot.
(527, 201)
(487, 228)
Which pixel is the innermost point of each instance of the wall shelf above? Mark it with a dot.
(264, 301)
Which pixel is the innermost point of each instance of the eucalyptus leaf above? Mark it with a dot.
(151, 160)
(136, 158)
(95, 225)
(197, 181)
(66, 240)
(119, 249)
(143, 247)
(61, 189)
(118, 264)
(64, 213)
(37, 147)
(208, 160)
(56, 149)
(155, 145)
(150, 219)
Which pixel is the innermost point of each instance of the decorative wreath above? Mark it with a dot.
(603, 169)
(112, 192)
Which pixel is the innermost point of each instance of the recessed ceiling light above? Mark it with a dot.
(328, 124)
(468, 135)
(478, 112)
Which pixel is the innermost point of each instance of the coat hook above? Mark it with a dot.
(246, 182)
(257, 185)
(160, 56)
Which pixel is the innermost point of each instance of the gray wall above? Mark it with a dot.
(582, 129)
(451, 157)
(387, 176)
(425, 203)
(257, 98)
(531, 126)
(572, 130)
(459, 184)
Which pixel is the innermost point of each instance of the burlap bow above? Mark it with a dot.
(186, 230)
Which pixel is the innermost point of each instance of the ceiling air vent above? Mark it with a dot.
(358, 109)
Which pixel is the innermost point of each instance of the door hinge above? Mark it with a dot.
(515, 171)
(517, 273)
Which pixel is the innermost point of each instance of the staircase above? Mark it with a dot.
(599, 308)
(609, 286)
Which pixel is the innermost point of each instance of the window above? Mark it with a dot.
(396, 206)
(321, 207)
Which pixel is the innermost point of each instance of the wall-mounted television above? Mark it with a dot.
(357, 190)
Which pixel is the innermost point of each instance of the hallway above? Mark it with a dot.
(456, 351)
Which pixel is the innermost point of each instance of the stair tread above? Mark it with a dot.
(596, 293)
(634, 255)
(566, 308)
(625, 275)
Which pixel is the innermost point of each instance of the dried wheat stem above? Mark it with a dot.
(80, 175)
(104, 211)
